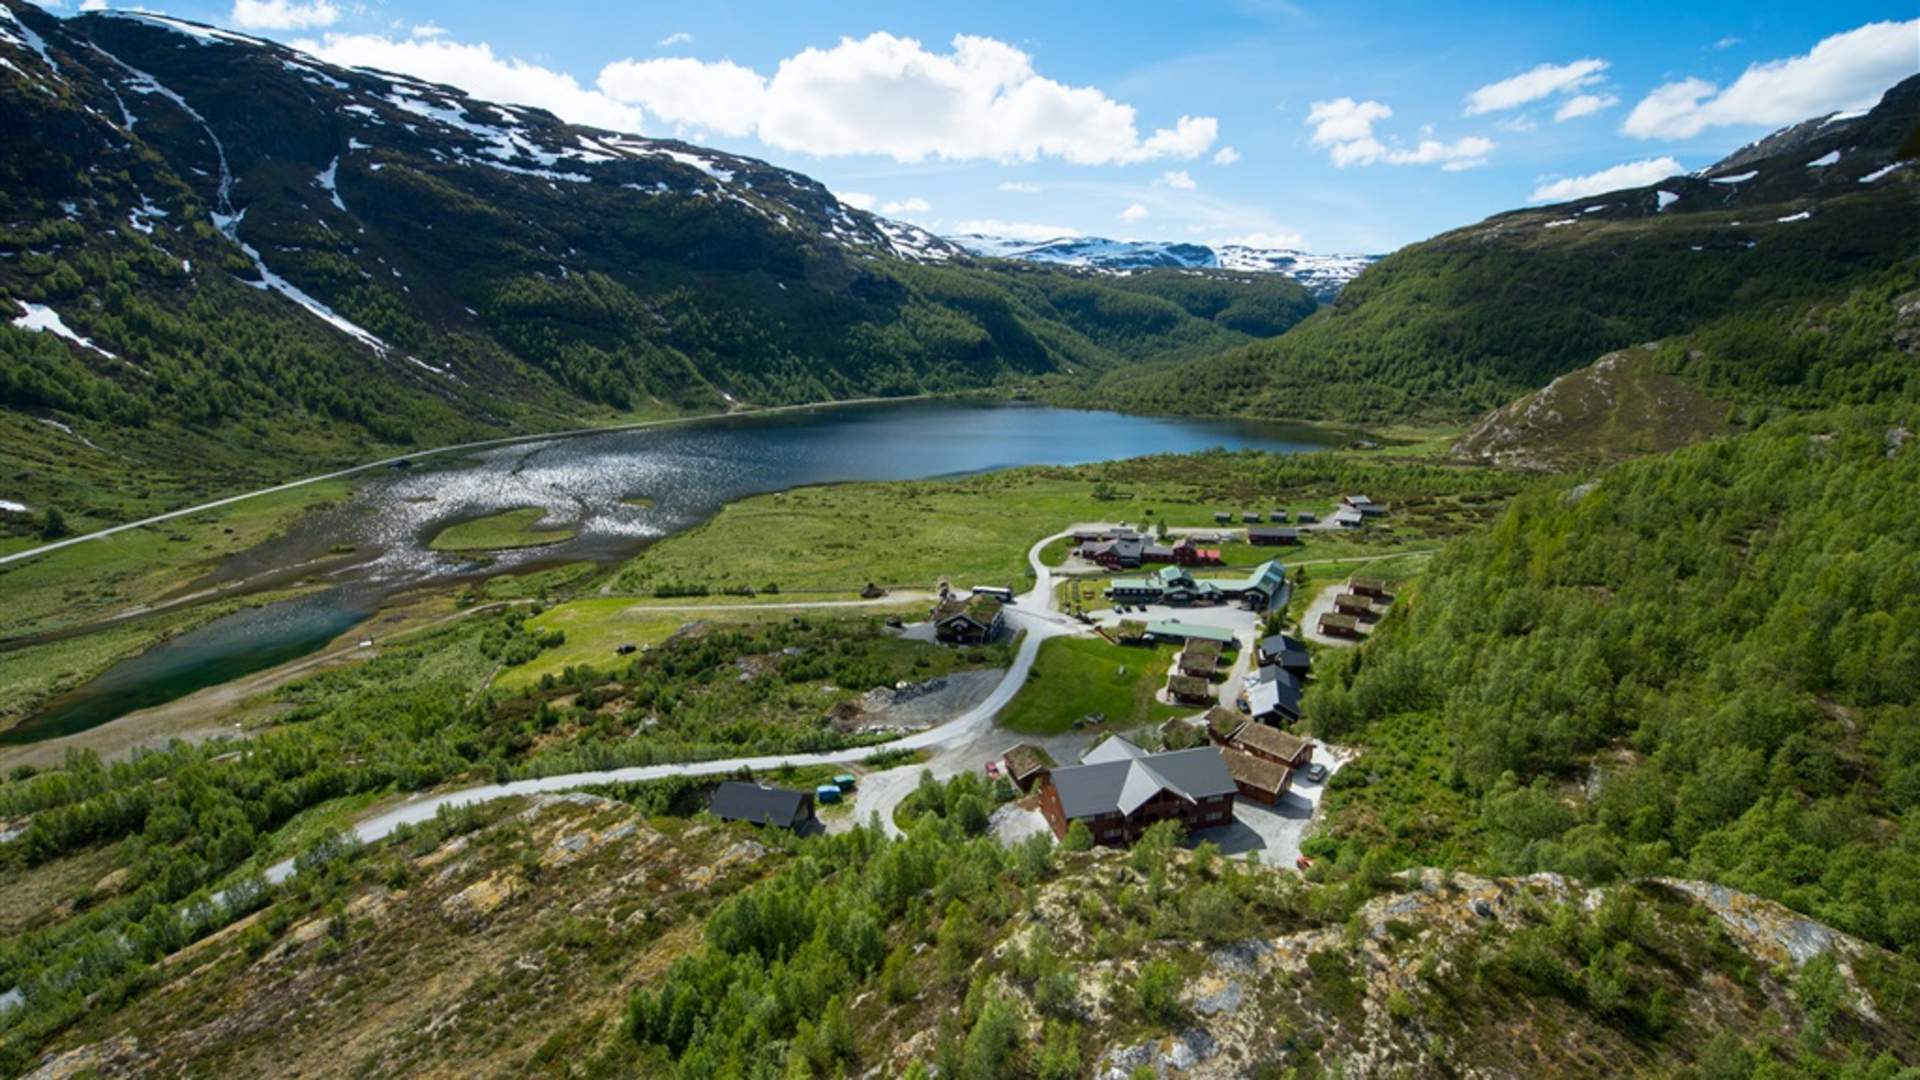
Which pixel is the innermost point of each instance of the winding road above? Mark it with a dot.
(1031, 613)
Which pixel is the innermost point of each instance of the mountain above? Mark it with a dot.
(1322, 275)
(220, 251)
(1747, 255)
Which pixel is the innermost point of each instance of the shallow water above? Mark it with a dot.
(687, 471)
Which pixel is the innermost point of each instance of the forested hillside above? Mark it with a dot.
(215, 250)
(1704, 663)
(1470, 319)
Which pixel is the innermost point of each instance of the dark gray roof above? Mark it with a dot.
(1124, 782)
(762, 805)
(1287, 650)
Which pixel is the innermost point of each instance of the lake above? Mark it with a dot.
(681, 473)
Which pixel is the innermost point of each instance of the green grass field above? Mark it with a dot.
(1073, 677)
(501, 532)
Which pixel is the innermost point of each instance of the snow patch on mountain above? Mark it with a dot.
(43, 319)
(1323, 275)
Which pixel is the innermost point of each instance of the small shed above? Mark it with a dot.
(827, 793)
(1276, 515)
(1306, 517)
(1222, 517)
(845, 781)
(762, 804)
(1190, 690)
(1027, 765)
(1250, 517)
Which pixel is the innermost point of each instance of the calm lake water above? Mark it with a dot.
(585, 482)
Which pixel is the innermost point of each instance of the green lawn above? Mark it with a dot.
(1073, 677)
(501, 532)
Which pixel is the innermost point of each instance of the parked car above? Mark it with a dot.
(1302, 863)
(1316, 772)
(993, 770)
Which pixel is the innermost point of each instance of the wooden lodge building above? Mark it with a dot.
(737, 800)
(1260, 758)
(973, 621)
(1371, 588)
(1261, 590)
(1190, 690)
(1334, 624)
(1027, 765)
(1120, 790)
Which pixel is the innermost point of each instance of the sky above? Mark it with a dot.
(1328, 126)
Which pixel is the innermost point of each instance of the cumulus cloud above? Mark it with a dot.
(282, 14)
(1226, 155)
(1846, 71)
(890, 96)
(1628, 175)
(720, 96)
(475, 69)
(1540, 82)
(859, 200)
(1345, 127)
(1019, 187)
(1584, 105)
(1030, 231)
(912, 205)
(1178, 179)
(1133, 213)
(678, 37)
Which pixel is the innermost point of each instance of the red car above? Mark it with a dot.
(1301, 863)
(993, 769)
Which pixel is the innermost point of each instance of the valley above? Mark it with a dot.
(487, 593)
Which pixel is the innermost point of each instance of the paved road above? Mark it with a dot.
(964, 732)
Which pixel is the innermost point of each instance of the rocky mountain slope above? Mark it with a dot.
(513, 948)
(1322, 275)
(202, 232)
(1470, 319)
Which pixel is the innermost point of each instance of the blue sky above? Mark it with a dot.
(1332, 126)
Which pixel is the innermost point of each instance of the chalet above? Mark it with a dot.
(1129, 632)
(1272, 744)
(1205, 646)
(1306, 517)
(1250, 517)
(1277, 515)
(760, 804)
(1221, 517)
(1190, 690)
(1188, 552)
(1117, 553)
(1372, 509)
(1120, 790)
(1372, 588)
(1355, 501)
(1285, 652)
(1199, 663)
(1271, 536)
(1256, 778)
(969, 622)
(1359, 607)
(1348, 518)
(1333, 624)
(1262, 590)
(1027, 765)
(1274, 697)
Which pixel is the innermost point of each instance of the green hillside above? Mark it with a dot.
(1470, 319)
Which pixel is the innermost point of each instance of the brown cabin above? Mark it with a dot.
(1189, 690)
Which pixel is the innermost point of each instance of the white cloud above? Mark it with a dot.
(1543, 81)
(1345, 127)
(475, 69)
(1520, 124)
(1226, 155)
(859, 200)
(1846, 71)
(1178, 179)
(1584, 105)
(282, 14)
(678, 37)
(428, 30)
(1628, 175)
(1030, 231)
(890, 96)
(1727, 42)
(1133, 213)
(1019, 187)
(720, 96)
(912, 205)
(1263, 240)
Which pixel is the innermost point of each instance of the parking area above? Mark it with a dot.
(1272, 834)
